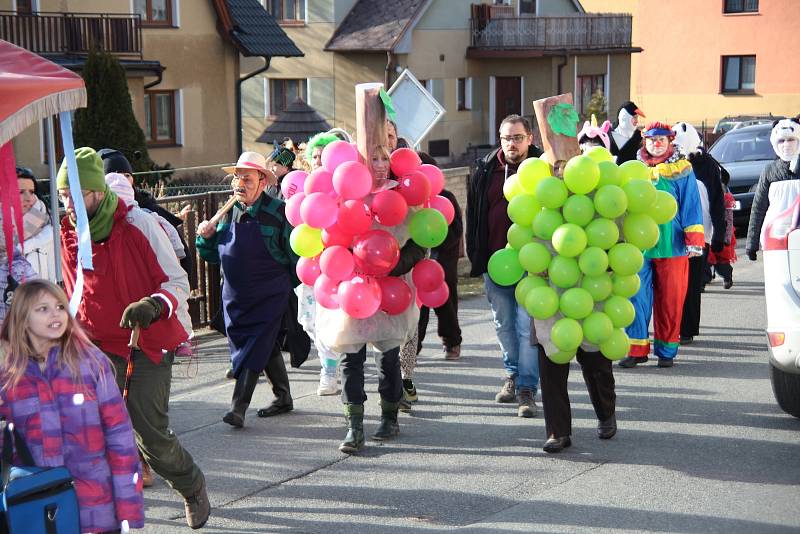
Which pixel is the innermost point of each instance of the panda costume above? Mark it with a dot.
(626, 139)
(779, 184)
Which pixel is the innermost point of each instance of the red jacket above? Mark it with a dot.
(136, 261)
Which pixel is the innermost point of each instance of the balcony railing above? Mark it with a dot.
(578, 32)
(73, 33)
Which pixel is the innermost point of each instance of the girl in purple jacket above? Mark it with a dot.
(59, 391)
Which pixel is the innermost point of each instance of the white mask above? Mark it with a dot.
(785, 139)
(687, 139)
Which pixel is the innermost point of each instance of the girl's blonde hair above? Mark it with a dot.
(16, 346)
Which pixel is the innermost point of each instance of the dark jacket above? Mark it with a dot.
(777, 171)
(709, 171)
(451, 246)
(478, 210)
(626, 152)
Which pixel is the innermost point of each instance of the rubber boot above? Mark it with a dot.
(388, 428)
(354, 440)
(276, 374)
(242, 395)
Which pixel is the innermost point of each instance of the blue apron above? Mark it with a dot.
(254, 294)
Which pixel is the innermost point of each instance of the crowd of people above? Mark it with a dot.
(91, 392)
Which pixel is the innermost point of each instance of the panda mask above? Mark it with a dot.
(687, 139)
(785, 138)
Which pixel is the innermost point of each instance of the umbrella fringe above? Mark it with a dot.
(37, 110)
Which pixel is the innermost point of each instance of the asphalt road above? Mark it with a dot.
(702, 447)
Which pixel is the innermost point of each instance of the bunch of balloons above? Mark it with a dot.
(566, 236)
(343, 255)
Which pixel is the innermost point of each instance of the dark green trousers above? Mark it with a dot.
(148, 404)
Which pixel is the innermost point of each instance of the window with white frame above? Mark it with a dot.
(286, 10)
(464, 94)
(157, 12)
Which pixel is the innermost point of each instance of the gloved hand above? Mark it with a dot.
(752, 255)
(717, 246)
(141, 313)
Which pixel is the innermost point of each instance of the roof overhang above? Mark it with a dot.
(474, 52)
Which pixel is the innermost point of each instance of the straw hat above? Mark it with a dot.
(250, 160)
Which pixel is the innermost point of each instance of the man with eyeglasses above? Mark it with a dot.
(487, 226)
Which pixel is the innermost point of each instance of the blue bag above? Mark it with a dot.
(35, 500)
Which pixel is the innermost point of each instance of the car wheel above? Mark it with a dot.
(786, 387)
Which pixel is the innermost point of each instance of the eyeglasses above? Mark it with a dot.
(513, 138)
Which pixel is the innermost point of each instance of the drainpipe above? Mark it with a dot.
(159, 79)
(388, 70)
(560, 68)
(239, 83)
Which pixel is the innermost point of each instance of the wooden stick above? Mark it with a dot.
(222, 211)
(370, 121)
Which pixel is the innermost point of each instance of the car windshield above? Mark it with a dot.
(743, 146)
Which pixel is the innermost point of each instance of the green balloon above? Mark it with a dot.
(525, 285)
(625, 286)
(531, 172)
(546, 222)
(610, 201)
(600, 154)
(597, 327)
(581, 174)
(428, 228)
(569, 240)
(625, 259)
(306, 241)
(561, 357)
(599, 287)
(512, 187)
(578, 209)
(641, 195)
(640, 230)
(620, 311)
(504, 267)
(541, 302)
(593, 261)
(617, 346)
(576, 303)
(609, 174)
(551, 193)
(566, 334)
(563, 272)
(534, 257)
(603, 233)
(522, 209)
(664, 207)
(633, 170)
(519, 236)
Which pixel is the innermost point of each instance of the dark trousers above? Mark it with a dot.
(449, 329)
(690, 321)
(725, 270)
(390, 386)
(553, 377)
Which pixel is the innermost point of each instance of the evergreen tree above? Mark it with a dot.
(108, 120)
(596, 106)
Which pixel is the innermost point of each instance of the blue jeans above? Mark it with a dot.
(513, 326)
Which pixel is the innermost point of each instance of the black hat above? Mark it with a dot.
(114, 161)
(631, 108)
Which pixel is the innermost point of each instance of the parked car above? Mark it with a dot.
(726, 124)
(744, 152)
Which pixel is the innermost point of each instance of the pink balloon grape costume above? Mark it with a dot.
(664, 276)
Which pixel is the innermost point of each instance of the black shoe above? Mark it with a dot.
(606, 429)
(229, 373)
(556, 444)
(686, 340)
(276, 373)
(632, 361)
(242, 395)
(728, 284)
(276, 408)
(665, 362)
(354, 440)
(388, 428)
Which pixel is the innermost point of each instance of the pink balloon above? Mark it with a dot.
(308, 270)
(389, 208)
(435, 298)
(293, 183)
(326, 292)
(395, 295)
(292, 209)
(319, 181)
(334, 235)
(360, 297)
(403, 161)
(354, 217)
(427, 275)
(376, 252)
(435, 177)
(336, 153)
(443, 205)
(319, 210)
(352, 180)
(337, 263)
(415, 188)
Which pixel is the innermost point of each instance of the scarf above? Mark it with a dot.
(670, 156)
(103, 219)
(36, 219)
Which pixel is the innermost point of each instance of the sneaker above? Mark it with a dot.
(507, 392)
(686, 340)
(527, 406)
(328, 384)
(632, 361)
(196, 506)
(452, 353)
(404, 405)
(409, 391)
(665, 362)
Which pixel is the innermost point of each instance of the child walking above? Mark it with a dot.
(60, 393)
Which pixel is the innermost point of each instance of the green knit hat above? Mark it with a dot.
(90, 171)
